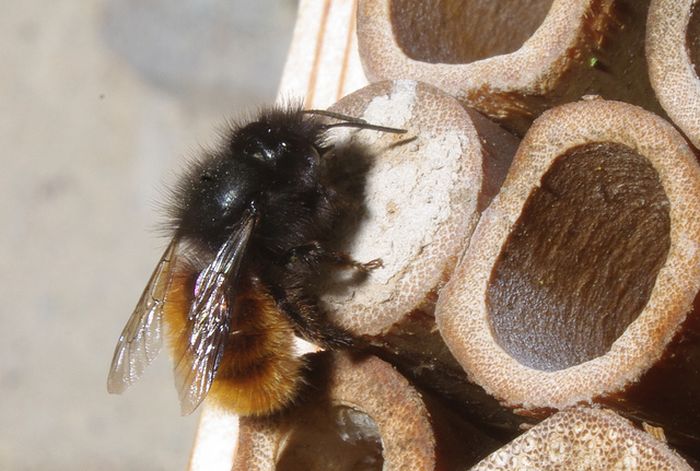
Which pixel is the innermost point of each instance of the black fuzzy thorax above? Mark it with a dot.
(271, 168)
(285, 186)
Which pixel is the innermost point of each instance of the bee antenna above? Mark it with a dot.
(351, 122)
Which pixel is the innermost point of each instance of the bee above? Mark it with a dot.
(250, 224)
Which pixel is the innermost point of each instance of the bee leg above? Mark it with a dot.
(310, 321)
(302, 307)
(345, 260)
(316, 252)
(315, 327)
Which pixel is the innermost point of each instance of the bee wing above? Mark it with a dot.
(210, 316)
(140, 341)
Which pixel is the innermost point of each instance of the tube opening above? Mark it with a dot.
(333, 438)
(454, 31)
(580, 263)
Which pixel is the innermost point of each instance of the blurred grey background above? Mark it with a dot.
(101, 101)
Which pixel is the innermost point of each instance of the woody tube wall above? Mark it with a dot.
(584, 438)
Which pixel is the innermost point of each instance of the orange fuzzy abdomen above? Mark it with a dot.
(258, 373)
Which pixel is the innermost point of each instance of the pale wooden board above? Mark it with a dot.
(323, 63)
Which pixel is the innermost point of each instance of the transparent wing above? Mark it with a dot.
(209, 316)
(141, 339)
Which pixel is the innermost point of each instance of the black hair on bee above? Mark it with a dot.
(249, 226)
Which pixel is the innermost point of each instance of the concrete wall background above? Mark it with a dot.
(101, 101)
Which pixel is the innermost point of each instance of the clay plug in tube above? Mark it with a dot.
(511, 60)
(579, 281)
(414, 200)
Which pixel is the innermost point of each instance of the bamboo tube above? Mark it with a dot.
(510, 60)
(584, 438)
(359, 413)
(418, 198)
(579, 280)
(673, 54)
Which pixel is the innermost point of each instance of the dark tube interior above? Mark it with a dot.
(692, 37)
(333, 438)
(581, 261)
(462, 31)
